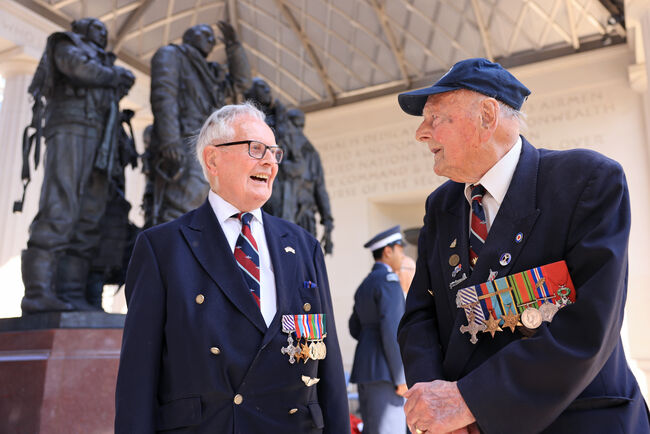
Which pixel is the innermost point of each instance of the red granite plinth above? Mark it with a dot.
(58, 380)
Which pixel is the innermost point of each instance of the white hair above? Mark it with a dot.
(218, 128)
(512, 113)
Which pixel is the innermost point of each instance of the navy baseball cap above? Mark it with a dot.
(479, 75)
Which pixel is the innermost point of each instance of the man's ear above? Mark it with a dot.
(489, 113)
(210, 158)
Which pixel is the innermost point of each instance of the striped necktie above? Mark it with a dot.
(478, 225)
(247, 256)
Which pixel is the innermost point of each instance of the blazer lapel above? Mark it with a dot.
(517, 215)
(210, 247)
(453, 246)
(282, 249)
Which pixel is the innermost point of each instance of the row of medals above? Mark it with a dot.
(311, 349)
(532, 317)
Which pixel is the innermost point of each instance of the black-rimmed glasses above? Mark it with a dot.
(257, 149)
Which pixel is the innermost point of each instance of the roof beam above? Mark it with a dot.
(575, 41)
(485, 37)
(307, 45)
(397, 52)
(128, 24)
(231, 6)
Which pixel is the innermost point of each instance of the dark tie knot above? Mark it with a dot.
(477, 192)
(245, 218)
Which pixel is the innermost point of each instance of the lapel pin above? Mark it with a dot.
(519, 237)
(454, 260)
(289, 250)
(493, 275)
(505, 259)
(453, 244)
(430, 292)
(456, 270)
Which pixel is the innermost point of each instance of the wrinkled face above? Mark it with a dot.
(97, 34)
(202, 38)
(238, 178)
(450, 128)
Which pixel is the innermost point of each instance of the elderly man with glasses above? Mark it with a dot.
(230, 326)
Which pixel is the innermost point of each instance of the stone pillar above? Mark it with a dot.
(14, 116)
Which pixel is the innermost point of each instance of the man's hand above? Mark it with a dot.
(438, 407)
(401, 389)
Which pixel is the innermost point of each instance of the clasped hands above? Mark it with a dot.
(438, 407)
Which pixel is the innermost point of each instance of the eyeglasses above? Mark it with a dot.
(257, 149)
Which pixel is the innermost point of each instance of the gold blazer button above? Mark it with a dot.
(216, 351)
(238, 399)
(200, 299)
(293, 411)
(307, 307)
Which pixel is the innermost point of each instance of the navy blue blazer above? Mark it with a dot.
(572, 375)
(378, 307)
(210, 364)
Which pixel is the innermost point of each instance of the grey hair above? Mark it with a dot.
(511, 113)
(219, 126)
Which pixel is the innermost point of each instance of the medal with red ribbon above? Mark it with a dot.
(527, 298)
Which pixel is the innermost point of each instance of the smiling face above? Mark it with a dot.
(243, 181)
(451, 127)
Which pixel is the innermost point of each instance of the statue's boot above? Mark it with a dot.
(38, 269)
(72, 277)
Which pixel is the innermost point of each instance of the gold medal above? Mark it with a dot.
(454, 260)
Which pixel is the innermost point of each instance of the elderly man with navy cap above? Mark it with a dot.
(378, 308)
(508, 208)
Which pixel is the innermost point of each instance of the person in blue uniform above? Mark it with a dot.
(377, 368)
(529, 207)
(216, 298)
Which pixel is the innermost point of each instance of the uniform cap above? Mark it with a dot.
(382, 239)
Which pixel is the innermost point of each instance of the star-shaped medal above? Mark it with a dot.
(511, 320)
(492, 325)
(304, 352)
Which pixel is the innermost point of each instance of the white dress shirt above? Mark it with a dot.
(232, 228)
(496, 182)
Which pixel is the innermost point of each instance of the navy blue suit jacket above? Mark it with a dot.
(572, 375)
(169, 379)
(378, 307)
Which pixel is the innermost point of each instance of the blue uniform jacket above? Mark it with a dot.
(378, 307)
(210, 365)
(572, 375)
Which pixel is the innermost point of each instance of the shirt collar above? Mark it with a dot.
(388, 267)
(497, 180)
(224, 210)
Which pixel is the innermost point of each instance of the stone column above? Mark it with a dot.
(14, 116)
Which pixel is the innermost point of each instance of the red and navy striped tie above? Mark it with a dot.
(478, 225)
(247, 256)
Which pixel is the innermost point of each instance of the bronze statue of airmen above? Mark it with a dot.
(283, 200)
(185, 90)
(312, 195)
(81, 87)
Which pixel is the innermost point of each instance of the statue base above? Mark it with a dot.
(58, 372)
